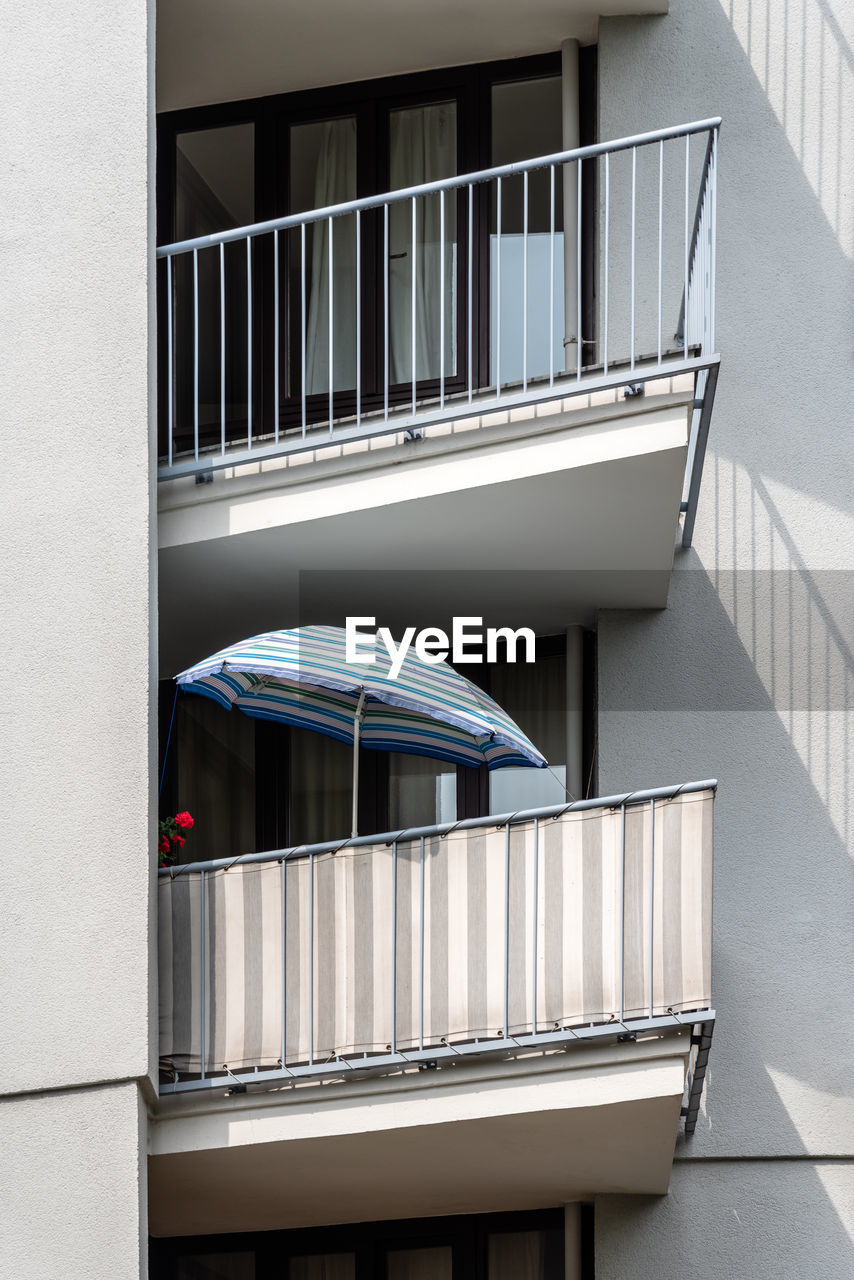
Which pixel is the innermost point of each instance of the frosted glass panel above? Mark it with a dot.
(509, 309)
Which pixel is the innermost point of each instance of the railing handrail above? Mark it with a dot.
(626, 799)
(441, 184)
(705, 173)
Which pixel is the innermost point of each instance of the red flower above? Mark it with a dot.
(164, 844)
(179, 841)
(184, 821)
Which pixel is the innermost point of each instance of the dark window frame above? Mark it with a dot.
(467, 1235)
(371, 101)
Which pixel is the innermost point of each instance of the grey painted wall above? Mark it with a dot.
(75, 632)
(748, 675)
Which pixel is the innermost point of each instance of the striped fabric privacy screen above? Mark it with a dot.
(402, 946)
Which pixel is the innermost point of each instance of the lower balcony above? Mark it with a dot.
(501, 1013)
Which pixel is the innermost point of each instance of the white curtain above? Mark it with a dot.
(516, 1255)
(216, 778)
(323, 1266)
(335, 183)
(423, 148)
(419, 1264)
(321, 787)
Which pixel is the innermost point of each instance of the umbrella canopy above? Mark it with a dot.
(301, 677)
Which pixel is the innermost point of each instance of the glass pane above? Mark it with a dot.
(323, 172)
(216, 779)
(321, 787)
(323, 1266)
(215, 190)
(516, 1255)
(422, 148)
(420, 1264)
(534, 694)
(215, 180)
(421, 791)
(217, 1266)
(526, 122)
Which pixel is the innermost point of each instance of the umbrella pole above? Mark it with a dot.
(357, 722)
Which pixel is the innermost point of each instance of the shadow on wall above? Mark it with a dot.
(748, 674)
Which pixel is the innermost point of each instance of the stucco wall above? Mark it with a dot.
(749, 673)
(75, 651)
(72, 1186)
(74, 526)
(764, 1221)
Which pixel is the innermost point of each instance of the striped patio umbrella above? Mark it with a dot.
(301, 677)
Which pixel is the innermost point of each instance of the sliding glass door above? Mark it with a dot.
(371, 301)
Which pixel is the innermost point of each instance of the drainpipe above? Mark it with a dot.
(574, 727)
(569, 79)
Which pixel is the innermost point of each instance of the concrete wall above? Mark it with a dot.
(75, 520)
(748, 675)
(72, 1185)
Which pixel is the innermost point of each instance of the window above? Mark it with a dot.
(511, 1246)
(232, 164)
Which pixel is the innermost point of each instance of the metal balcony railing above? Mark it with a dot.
(273, 332)
(525, 931)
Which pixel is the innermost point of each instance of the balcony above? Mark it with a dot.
(449, 314)
(531, 982)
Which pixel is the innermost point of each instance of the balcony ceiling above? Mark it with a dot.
(223, 50)
(519, 1135)
(534, 524)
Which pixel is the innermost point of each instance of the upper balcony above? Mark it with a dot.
(505, 1012)
(539, 334)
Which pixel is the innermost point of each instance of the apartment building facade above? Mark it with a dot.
(537, 316)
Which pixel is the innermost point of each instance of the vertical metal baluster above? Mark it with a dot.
(442, 299)
(507, 932)
(358, 319)
(687, 170)
(250, 381)
(412, 302)
(713, 233)
(525, 281)
(421, 959)
(169, 358)
(470, 292)
(283, 864)
(660, 234)
(394, 947)
(622, 908)
(222, 347)
(311, 959)
(551, 275)
(276, 334)
(196, 354)
(498, 294)
(607, 288)
(302, 326)
(203, 961)
(580, 344)
(634, 217)
(651, 900)
(534, 946)
(331, 326)
(385, 312)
